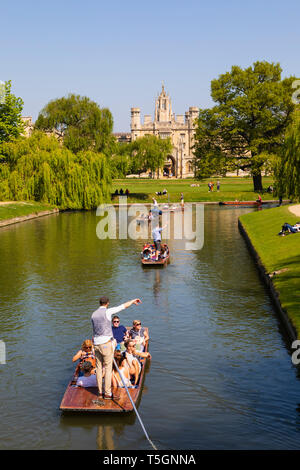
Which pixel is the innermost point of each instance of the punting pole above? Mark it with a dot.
(134, 407)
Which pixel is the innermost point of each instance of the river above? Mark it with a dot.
(221, 375)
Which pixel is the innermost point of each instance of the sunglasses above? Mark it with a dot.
(116, 321)
(137, 324)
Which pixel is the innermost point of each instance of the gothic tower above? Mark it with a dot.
(163, 107)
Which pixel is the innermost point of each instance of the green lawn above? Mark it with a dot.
(232, 188)
(19, 209)
(278, 253)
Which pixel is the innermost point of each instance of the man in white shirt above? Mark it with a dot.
(104, 343)
(156, 234)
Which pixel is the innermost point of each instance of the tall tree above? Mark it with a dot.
(11, 125)
(79, 121)
(149, 153)
(247, 124)
(287, 173)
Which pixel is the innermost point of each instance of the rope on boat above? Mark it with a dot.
(134, 407)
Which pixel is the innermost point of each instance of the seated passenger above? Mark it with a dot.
(120, 333)
(88, 379)
(147, 253)
(116, 378)
(164, 251)
(86, 353)
(139, 335)
(131, 355)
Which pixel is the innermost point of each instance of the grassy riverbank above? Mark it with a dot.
(10, 210)
(280, 254)
(231, 189)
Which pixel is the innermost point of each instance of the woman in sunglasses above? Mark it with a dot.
(86, 353)
(139, 335)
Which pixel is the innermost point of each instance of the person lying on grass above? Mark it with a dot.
(289, 228)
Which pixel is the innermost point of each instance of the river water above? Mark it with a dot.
(221, 375)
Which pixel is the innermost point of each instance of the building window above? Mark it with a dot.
(164, 135)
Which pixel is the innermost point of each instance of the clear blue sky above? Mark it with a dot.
(118, 52)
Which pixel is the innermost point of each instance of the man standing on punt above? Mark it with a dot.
(104, 344)
(156, 234)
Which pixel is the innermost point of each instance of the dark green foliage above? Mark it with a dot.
(248, 123)
(287, 171)
(80, 122)
(149, 153)
(11, 125)
(40, 169)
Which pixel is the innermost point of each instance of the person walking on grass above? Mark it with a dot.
(104, 343)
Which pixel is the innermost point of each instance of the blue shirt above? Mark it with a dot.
(119, 332)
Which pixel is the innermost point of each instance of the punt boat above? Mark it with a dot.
(80, 399)
(241, 203)
(152, 261)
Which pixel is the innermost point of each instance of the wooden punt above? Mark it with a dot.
(241, 203)
(173, 209)
(79, 399)
(152, 262)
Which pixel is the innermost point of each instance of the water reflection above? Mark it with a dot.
(221, 373)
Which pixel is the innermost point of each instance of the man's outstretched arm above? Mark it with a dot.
(131, 302)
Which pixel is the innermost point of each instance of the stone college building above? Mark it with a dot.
(181, 130)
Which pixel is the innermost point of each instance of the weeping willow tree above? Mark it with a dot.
(40, 169)
(287, 173)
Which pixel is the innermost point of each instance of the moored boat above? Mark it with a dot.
(82, 399)
(241, 203)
